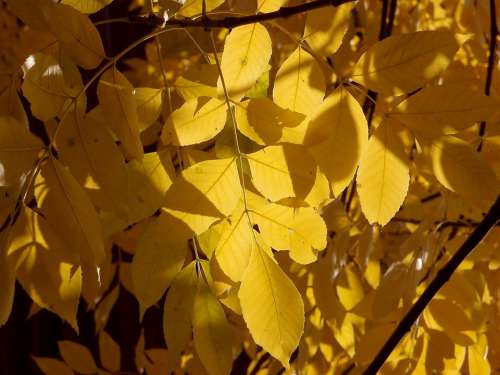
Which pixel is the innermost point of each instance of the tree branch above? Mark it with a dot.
(386, 23)
(443, 275)
(232, 21)
(491, 60)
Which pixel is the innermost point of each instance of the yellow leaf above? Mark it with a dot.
(300, 230)
(462, 170)
(442, 354)
(77, 356)
(149, 105)
(390, 290)
(477, 356)
(272, 306)
(109, 352)
(158, 258)
(86, 146)
(282, 171)
(119, 107)
(204, 192)
(247, 51)
(49, 88)
(51, 366)
(320, 192)
(194, 7)
(325, 28)
(342, 124)
(8, 198)
(199, 80)
(383, 175)
(30, 11)
(78, 36)
(235, 244)
(8, 282)
(403, 63)
(444, 109)
(42, 269)
(372, 341)
(349, 287)
(449, 317)
(198, 120)
(18, 151)
(300, 84)
(11, 105)
(87, 6)
(178, 310)
(264, 122)
(211, 332)
(104, 308)
(148, 181)
(71, 214)
(266, 6)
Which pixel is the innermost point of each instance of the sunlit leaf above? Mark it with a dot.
(247, 51)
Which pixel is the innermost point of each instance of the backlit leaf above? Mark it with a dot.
(87, 6)
(300, 84)
(8, 280)
(149, 105)
(383, 174)
(211, 331)
(49, 88)
(344, 134)
(118, 105)
(282, 171)
(109, 352)
(178, 309)
(271, 305)
(247, 51)
(78, 36)
(462, 170)
(198, 120)
(235, 244)
(325, 28)
(194, 7)
(300, 230)
(71, 214)
(445, 109)
(77, 356)
(18, 151)
(266, 123)
(159, 257)
(403, 63)
(204, 192)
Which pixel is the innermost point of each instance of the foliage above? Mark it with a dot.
(287, 186)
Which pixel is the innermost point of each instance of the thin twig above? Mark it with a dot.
(443, 275)
(491, 62)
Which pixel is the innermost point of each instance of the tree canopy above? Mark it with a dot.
(283, 187)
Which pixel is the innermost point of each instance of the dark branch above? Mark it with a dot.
(387, 17)
(491, 60)
(443, 275)
(231, 22)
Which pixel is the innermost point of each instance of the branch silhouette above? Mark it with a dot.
(232, 21)
(443, 275)
(491, 60)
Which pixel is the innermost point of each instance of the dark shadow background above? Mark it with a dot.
(22, 337)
